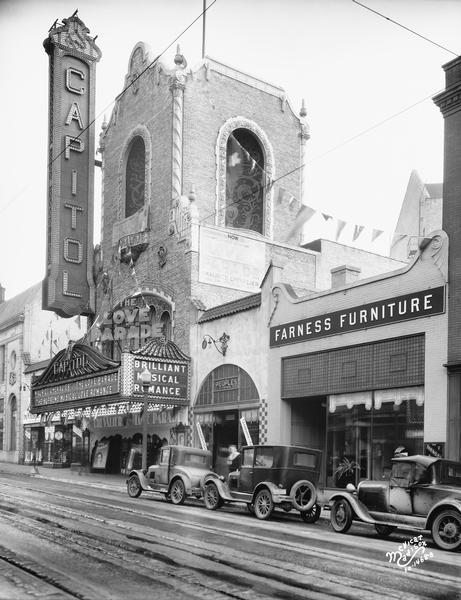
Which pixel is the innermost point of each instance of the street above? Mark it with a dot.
(85, 541)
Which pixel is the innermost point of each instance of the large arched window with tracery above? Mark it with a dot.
(135, 177)
(245, 181)
(13, 422)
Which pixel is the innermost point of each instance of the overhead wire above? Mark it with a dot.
(404, 27)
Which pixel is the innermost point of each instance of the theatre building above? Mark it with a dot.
(358, 370)
(91, 406)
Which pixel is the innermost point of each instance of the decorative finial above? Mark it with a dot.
(179, 59)
(303, 111)
(104, 123)
(192, 196)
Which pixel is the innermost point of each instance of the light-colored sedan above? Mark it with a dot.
(179, 473)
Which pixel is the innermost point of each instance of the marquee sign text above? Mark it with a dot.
(383, 312)
(169, 380)
(68, 287)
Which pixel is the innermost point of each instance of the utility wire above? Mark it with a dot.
(150, 65)
(405, 27)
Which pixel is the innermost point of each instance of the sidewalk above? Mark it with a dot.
(73, 477)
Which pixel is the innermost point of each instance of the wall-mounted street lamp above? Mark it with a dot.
(208, 340)
(146, 380)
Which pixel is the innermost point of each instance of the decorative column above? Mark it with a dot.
(304, 135)
(177, 86)
(449, 102)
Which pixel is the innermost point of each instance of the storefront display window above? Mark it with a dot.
(362, 438)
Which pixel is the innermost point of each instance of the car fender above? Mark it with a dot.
(445, 503)
(185, 479)
(222, 486)
(142, 479)
(360, 510)
(275, 491)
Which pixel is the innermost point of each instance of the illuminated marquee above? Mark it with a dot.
(68, 288)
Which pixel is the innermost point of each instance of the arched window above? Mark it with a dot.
(13, 422)
(166, 325)
(245, 181)
(135, 180)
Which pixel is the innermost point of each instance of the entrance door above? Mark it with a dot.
(225, 433)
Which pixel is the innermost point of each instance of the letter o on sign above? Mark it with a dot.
(119, 317)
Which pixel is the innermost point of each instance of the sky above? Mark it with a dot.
(367, 85)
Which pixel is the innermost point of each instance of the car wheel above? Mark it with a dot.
(303, 495)
(263, 504)
(211, 496)
(341, 515)
(446, 529)
(384, 530)
(177, 492)
(133, 487)
(312, 515)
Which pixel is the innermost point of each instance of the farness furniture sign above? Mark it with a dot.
(68, 287)
(383, 312)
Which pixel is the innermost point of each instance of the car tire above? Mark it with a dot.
(133, 487)
(178, 491)
(211, 496)
(303, 495)
(446, 529)
(263, 504)
(312, 515)
(341, 515)
(384, 531)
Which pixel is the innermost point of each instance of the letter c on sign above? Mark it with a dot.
(69, 72)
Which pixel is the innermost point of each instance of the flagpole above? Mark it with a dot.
(203, 28)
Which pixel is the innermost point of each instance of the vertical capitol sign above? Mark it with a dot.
(68, 287)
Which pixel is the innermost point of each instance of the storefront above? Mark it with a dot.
(359, 370)
(88, 409)
(227, 396)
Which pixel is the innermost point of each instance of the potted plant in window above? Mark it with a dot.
(346, 472)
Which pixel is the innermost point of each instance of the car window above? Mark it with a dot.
(195, 459)
(421, 474)
(401, 474)
(451, 473)
(164, 455)
(304, 459)
(248, 454)
(264, 457)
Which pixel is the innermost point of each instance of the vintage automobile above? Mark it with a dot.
(270, 476)
(178, 474)
(423, 493)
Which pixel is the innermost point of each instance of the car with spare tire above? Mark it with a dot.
(269, 477)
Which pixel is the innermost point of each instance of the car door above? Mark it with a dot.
(400, 489)
(245, 479)
(163, 466)
(263, 464)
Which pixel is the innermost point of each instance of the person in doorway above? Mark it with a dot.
(234, 459)
(400, 451)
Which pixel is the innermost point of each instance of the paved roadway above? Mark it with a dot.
(65, 536)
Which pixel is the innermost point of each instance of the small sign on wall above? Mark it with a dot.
(435, 449)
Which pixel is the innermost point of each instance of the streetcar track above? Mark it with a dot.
(10, 557)
(174, 544)
(316, 583)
